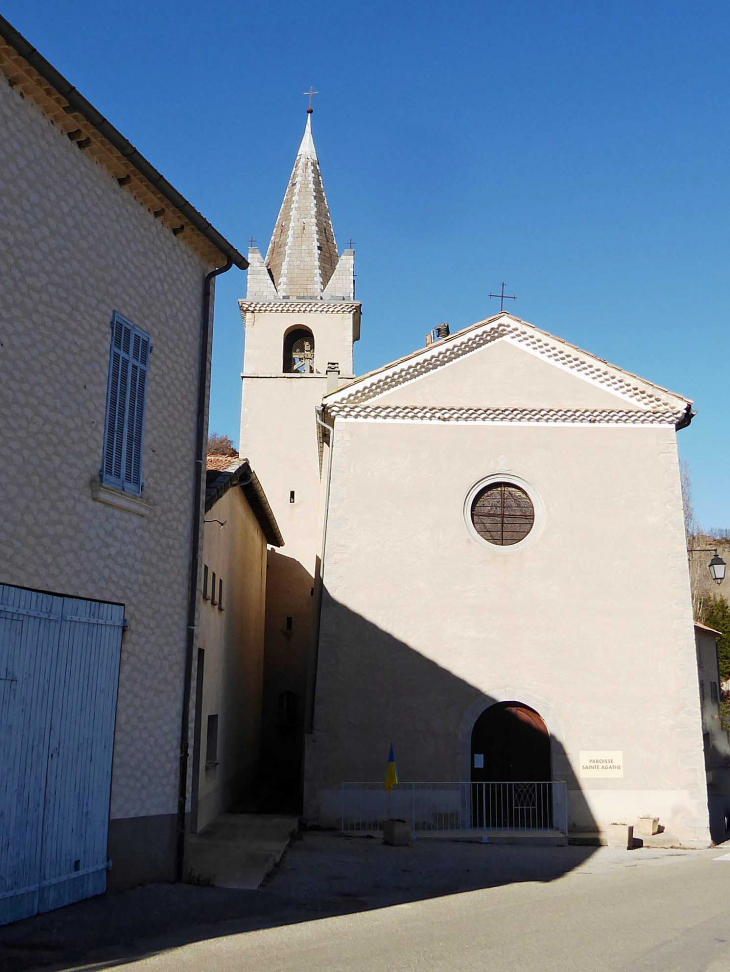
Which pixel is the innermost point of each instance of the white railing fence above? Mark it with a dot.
(440, 807)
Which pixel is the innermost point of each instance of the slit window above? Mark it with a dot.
(288, 710)
(289, 623)
(211, 741)
(206, 595)
(213, 599)
(220, 594)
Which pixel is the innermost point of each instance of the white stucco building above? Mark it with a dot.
(468, 531)
(105, 333)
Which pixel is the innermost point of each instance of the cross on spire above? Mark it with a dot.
(252, 242)
(350, 243)
(311, 93)
(503, 297)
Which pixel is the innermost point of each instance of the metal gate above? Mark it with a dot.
(445, 807)
(59, 672)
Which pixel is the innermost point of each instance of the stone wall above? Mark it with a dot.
(74, 247)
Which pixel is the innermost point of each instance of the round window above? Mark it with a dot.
(502, 513)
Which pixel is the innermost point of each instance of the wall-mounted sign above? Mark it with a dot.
(601, 764)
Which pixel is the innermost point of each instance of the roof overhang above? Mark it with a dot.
(26, 69)
(244, 477)
(650, 404)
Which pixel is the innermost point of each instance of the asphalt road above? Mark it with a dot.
(614, 911)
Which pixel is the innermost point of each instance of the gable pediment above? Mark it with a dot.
(505, 365)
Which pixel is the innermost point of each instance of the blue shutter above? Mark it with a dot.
(125, 411)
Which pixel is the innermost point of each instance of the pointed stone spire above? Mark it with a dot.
(303, 255)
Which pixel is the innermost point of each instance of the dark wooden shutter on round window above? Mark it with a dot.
(502, 513)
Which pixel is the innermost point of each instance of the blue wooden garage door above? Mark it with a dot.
(59, 671)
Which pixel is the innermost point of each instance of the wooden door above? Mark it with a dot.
(513, 742)
(511, 769)
(59, 671)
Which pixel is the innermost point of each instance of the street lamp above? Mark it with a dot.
(717, 569)
(717, 565)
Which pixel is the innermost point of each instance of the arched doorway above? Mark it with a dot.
(510, 768)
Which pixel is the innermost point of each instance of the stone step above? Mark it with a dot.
(237, 850)
(589, 838)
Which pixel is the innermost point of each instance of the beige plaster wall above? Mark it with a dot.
(589, 620)
(333, 339)
(514, 378)
(74, 247)
(279, 435)
(233, 642)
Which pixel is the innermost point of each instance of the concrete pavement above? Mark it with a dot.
(436, 907)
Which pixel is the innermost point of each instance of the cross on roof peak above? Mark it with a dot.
(311, 93)
(503, 297)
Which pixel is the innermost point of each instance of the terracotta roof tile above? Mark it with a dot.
(223, 463)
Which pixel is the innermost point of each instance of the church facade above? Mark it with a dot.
(486, 562)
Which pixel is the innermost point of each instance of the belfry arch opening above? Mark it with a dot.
(299, 351)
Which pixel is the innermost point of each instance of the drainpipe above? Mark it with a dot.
(182, 797)
(309, 726)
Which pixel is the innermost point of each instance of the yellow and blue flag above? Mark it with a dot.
(391, 775)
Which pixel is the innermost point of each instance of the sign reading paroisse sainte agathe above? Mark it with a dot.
(601, 764)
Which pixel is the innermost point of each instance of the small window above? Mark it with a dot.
(211, 741)
(289, 623)
(713, 691)
(220, 594)
(299, 352)
(502, 513)
(291, 496)
(288, 708)
(213, 591)
(125, 406)
(206, 595)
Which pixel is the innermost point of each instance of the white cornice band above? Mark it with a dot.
(299, 306)
(532, 416)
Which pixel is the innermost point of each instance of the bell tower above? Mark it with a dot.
(301, 320)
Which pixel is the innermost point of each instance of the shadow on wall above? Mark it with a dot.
(289, 622)
(373, 689)
(717, 766)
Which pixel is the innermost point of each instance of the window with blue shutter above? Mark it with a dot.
(125, 406)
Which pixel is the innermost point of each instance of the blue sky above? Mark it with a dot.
(576, 150)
